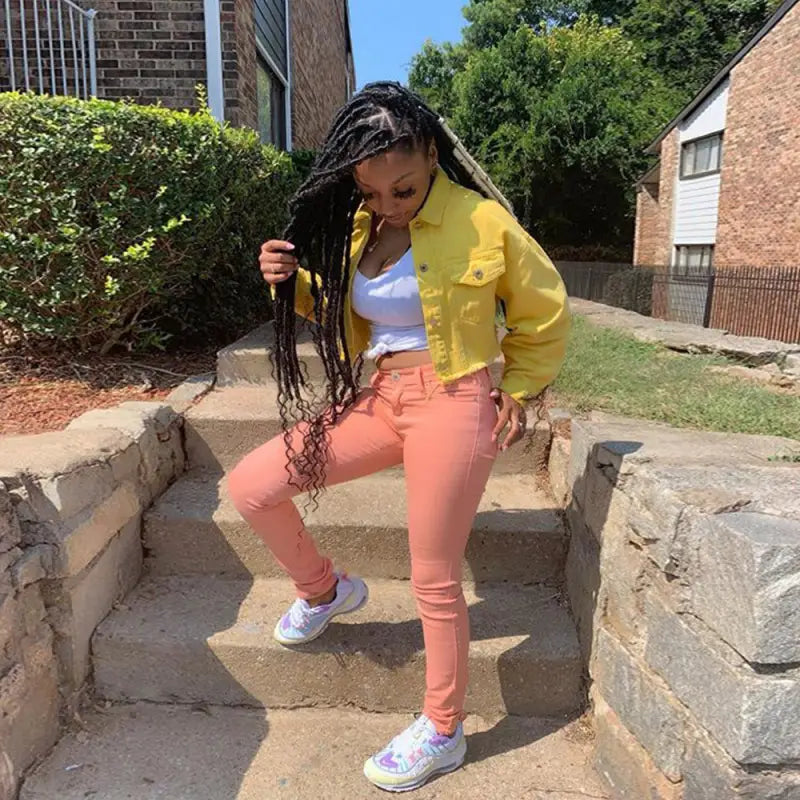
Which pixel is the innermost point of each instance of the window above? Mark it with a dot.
(701, 156)
(693, 259)
(271, 98)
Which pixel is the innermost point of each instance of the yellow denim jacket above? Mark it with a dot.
(467, 252)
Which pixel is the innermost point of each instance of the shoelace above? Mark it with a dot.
(412, 734)
(300, 613)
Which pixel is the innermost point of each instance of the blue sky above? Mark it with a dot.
(386, 35)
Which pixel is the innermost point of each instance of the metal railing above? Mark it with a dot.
(50, 48)
(744, 300)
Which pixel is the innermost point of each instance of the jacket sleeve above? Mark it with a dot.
(303, 301)
(537, 315)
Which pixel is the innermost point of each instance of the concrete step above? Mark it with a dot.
(247, 359)
(167, 752)
(229, 422)
(518, 534)
(209, 639)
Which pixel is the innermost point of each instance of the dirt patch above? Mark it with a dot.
(44, 393)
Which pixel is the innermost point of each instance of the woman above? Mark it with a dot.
(406, 257)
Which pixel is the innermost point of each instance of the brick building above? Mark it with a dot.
(724, 194)
(282, 67)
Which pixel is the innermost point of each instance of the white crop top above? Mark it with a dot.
(391, 304)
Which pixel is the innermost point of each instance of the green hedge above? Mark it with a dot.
(135, 226)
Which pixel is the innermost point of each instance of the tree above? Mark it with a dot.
(689, 41)
(560, 118)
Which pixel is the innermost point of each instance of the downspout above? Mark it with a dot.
(216, 97)
(288, 100)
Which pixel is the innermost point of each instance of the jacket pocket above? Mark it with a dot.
(472, 287)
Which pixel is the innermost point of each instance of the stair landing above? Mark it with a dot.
(143, 751)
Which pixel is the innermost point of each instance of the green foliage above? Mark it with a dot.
(689, 41)
(132, 225)
(560, 118)
(558, 98)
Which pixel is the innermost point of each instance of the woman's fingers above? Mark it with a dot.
(515, 432)
(502, 421)
(510, 413)
(275, 262)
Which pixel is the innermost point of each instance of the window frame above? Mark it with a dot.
(263, 55)
(692, 143)
(683, 269)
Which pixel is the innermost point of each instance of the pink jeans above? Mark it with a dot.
(442, 434)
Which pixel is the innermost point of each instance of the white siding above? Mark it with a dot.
(696, 210)
(697, 199)
(709, 117)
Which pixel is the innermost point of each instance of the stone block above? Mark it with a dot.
(623, 762)
(34, 564)
(746, 584)
(73, 491)
(583, 581)
(77, 604)
(581, 444)
(127, 464)
(754, 717)
(641, 701)
(605, 507)
(56, 453)
(155, 427)
(792, 364)
(711, 774)
(182, 396)
(558, 469)
(85, 536)
(623, 570)
(10, 534)
(29, 706)
(654, 517)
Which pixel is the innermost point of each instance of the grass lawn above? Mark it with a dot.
(611, 371)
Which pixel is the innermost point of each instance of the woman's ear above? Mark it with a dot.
(433, 156)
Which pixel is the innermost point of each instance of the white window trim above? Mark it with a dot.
(694, 141)
(213, 32)
(288, 78)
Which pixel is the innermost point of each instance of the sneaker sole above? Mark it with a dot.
(460, 755)
(345, 609)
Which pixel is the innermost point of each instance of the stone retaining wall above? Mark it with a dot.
(684, 578)
(71, 504)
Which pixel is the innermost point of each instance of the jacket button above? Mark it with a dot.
(478, 273)
(423, 267)
(434, 322)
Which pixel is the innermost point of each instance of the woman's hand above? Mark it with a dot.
(509, 412)
(276, 264)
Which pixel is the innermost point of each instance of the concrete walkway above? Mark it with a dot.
(750, 350)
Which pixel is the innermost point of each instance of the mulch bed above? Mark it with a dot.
(41, 393)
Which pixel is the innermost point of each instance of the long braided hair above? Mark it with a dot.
(381, 117)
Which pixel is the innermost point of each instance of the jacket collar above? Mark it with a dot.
(431, 212)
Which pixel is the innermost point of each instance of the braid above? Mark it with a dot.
(380, 117)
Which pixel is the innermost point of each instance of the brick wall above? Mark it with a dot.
(239, 63)
(653, 243)
(319, 65)
(645, 239)
(759, 207)
(150, 50)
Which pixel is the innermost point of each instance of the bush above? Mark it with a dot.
(631, 289)
(132, 225)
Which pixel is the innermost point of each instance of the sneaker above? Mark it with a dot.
(415, 755)
(302, 622)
